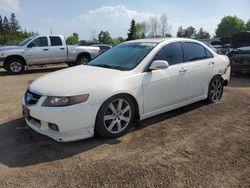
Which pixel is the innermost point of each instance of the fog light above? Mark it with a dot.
(53, 126)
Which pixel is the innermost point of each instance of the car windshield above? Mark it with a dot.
(125, 56)
(26, 41)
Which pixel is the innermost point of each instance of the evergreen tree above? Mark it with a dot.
(1, 24)
(6, 28)
(132, 31)
(14, 25)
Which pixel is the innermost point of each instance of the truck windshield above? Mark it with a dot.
(124, 56)
(26, 41)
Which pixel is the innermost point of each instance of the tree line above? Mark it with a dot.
(156, 26)
(11, 32)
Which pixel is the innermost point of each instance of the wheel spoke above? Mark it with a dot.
(111, 126)
(112, 108)
(127, 108)
(127, 119)
(119, 126)
(109, 117)
(120, 105)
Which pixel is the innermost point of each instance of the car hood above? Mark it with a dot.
(5, 48)
(74, 81)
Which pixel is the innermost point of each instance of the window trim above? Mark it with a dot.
(146, 69)
(38, 46)
(55, 37)
(205, 49)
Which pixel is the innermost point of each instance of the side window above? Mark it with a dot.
(194, 51)
(39, 42)
(55, 41)
(209, 54)
(172, 53)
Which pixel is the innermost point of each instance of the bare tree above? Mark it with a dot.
(154, 24)
(164, 25)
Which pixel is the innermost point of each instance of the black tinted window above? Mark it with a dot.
(194, 51)
(172, 53)
(39, 42)
(55, 41)
(209, 54)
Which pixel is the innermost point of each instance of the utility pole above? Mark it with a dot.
(51, 31)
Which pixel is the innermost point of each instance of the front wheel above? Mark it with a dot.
(115, 116)
(215, 90)
(15, 66)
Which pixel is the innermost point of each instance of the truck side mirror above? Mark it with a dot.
(31, 45)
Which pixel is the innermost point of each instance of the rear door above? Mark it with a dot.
(37, 51)
(201, 67)
(58, 50)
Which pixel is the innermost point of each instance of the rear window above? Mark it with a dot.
(55, 41)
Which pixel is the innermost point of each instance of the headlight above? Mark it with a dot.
(65, 101)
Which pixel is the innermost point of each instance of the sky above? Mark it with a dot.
(88, 18)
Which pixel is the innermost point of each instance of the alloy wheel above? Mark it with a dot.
(15, 67)
(117, 116)
(216, 90)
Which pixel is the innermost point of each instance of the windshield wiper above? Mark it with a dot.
(109, 66)
(104, 66)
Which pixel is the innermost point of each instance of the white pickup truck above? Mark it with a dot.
(44, 50)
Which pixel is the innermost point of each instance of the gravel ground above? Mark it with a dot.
(196, 146)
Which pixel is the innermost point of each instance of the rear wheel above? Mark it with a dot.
(115, 116)
(215, 90)
(82, 60)
(15, 66)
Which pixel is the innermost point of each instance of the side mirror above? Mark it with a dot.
(159, 65)
(31, 45)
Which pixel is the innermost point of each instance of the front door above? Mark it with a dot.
(163, 88)
(37, 51)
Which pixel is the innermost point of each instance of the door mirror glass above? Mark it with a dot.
(159, 65)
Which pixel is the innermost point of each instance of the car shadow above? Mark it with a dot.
(240, 80)
(35, 70)
(21, 146)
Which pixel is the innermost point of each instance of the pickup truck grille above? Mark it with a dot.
(31, 98)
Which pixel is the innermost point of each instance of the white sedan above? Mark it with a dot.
(132, 81)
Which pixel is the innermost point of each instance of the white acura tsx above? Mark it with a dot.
(132, 81)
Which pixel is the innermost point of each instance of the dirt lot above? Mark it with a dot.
(197, 146)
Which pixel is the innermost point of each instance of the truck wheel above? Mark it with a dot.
(82, 60)
(15, 66)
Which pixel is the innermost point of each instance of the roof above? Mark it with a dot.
(159, 40)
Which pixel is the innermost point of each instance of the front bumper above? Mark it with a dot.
(74, 122)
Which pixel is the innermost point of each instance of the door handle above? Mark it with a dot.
(211, 63)
(183, 70)
(62, 48)
(45, 49)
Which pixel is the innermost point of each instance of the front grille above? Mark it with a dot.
(31, 98)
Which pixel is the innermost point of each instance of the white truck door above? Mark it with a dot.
(37, 51)
(58, 50)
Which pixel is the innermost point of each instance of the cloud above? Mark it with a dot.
(9, 5)
(115, 19)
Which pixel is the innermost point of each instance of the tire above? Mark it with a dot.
(215, 90)
(15, 66)
(82, 60)
(112, 122)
